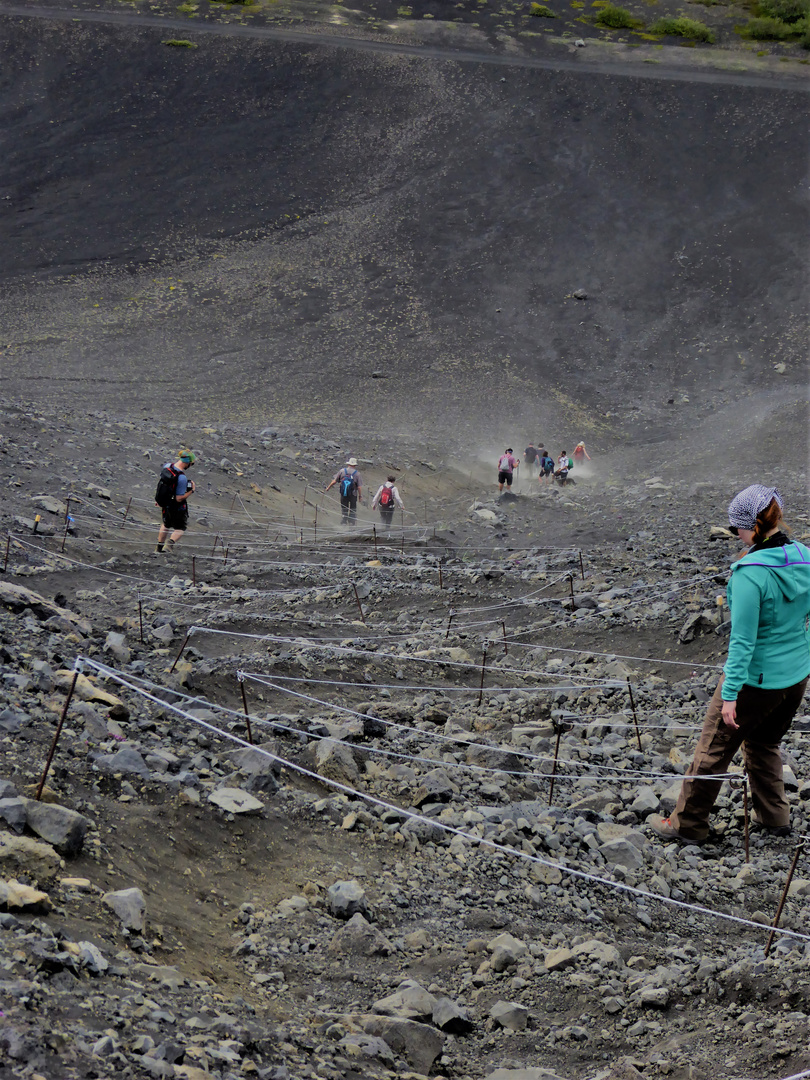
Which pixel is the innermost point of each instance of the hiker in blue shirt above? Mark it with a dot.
(351, 489)
(174, 510)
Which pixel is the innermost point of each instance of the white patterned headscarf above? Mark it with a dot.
(744, 507)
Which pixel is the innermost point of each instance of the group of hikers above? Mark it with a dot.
(350, 490)
(175, 488)
(537, 457)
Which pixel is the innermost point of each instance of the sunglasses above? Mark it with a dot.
(734, 529)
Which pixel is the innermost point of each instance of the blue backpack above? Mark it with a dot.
(348, 483)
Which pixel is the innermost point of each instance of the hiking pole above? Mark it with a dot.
(56, 735)
(635, 717)
(483, 670)
(359, 605)
(241, 679)
(126, 512)
(799, 848)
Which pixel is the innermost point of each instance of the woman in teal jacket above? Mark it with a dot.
(764, 677)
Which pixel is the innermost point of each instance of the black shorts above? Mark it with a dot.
(505, 478)
(175, 516)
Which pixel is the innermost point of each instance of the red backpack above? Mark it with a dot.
(387, 497)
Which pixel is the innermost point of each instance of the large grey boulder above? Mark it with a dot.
(510, 1015)
(345, 899)
(410, 1001)
(359, 937)
(334, 761)
(126, 760)
(436, 786)
(65, 829)
(20, 856)
(622, 852)
(129, 905)
(12, 811)
(421, 1044)
(235, 801)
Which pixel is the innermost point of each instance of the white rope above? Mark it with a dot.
(470, 838)
(625, 774)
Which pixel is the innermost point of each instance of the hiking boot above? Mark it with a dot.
(159, 548)
(777, 830)
(170, 547)
(664, 828)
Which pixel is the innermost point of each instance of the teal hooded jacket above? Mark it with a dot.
(769, 597)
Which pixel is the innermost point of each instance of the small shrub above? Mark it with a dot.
(767, 30)
(187, 9)
(180, 43)
(788, 11)
(685, 28)
(616, 18)
(541, 11)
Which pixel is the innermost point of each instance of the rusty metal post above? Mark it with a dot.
(247, 714)
(571, 587)
(140, 618)
(581, 567)
(56, 735)
(505, 646)
(68, 501)
(554, 763)
(194, 571)
(126, 512)
(233, 502)
(441, 579)
(449, 624)
(8, 548)
(359, 605)
(180, 653)
(635, 716)
(483, 671)
(799, 848)
(214, 548)
(304, 500)
(316, 524)
(64, 534)
(225, 551)
(376, 552)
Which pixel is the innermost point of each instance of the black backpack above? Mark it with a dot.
(167, 485)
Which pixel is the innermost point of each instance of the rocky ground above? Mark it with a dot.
(411, 863)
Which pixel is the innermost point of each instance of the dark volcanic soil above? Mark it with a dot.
(315, 237)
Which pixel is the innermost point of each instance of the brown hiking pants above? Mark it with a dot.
(764, 717)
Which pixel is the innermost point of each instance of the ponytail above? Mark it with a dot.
(767, 520)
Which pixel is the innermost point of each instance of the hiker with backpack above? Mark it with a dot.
(546, 465)
(563, 465)
(387, 498)
(531, 455)
(507, 464)
(350, 489)
(171, 496)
